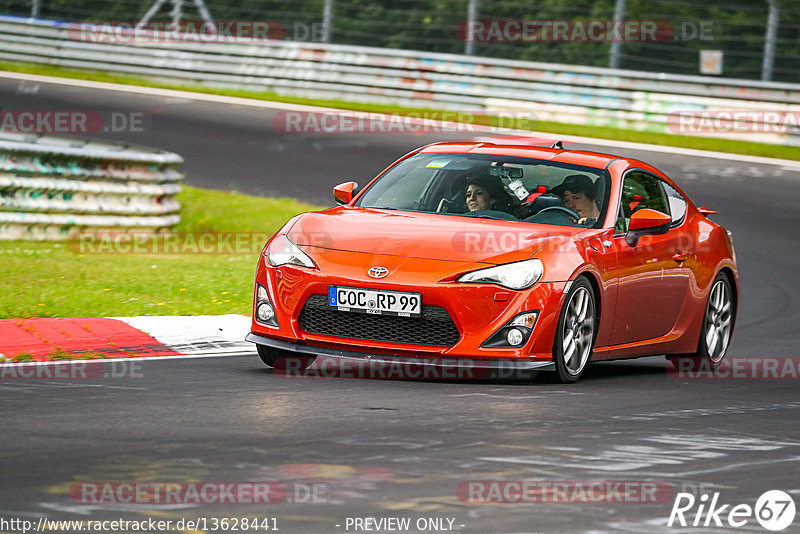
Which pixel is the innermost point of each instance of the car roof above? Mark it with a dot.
(577, 157)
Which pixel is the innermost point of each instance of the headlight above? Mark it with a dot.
(519, 275)
(283, 252)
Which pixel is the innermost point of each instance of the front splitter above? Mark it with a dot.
(503, 364)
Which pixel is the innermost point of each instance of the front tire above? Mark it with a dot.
(575, 332)
(278, 358)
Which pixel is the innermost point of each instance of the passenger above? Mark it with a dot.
(577, 192)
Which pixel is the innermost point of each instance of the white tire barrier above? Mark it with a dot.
(54, 188)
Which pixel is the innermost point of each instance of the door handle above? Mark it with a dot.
(680, 257)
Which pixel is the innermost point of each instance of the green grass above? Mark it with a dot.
(48, 279)
(22, 357)
(602, 132)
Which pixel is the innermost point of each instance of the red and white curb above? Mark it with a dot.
(125, 337)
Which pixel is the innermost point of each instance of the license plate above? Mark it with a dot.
(375, 301)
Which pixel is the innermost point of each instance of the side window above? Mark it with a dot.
(641, 190)
(677, 204)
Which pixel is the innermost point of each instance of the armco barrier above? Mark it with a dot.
(52, 188)
(562, 93)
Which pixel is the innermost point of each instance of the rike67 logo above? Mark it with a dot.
(774, 510)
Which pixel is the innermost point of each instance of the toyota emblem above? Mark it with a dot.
(378, 272)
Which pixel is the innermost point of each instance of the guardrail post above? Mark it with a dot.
(472, 15)
(327, 21)
(769, 41)
(616, 46)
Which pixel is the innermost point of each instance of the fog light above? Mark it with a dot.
(265, 312)
(515, 337)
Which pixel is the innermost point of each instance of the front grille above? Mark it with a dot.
(434, 327)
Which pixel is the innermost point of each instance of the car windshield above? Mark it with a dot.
(493, 187)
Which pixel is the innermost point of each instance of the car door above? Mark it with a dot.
(652, 277)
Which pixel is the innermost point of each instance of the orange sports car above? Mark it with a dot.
(501, 256)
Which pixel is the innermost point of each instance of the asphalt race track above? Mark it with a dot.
(382, 448)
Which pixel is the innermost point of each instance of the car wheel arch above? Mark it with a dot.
(566, 372)
(728, 272)
(594, 282)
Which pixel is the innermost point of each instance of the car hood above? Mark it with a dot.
(423, 235)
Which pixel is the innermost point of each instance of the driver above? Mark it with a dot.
(577, 193)
(482, 193)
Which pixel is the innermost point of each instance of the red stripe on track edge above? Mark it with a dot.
(110, 337)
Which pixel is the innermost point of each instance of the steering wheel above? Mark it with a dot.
(562, 209)
(445, 205)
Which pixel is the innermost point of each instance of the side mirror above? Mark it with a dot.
(647, 222)
(344, 193)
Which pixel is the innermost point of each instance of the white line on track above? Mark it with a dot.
(220, 99)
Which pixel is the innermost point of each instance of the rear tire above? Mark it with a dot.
(278, 358)
(715, 334)
(575, 332)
